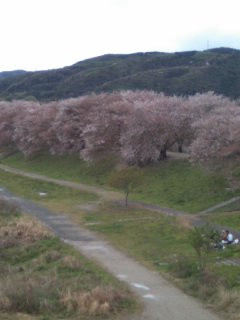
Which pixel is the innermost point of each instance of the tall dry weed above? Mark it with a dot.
(22, 231)
(228, 299)
(71, 263)
(28, 293)
(99, 301)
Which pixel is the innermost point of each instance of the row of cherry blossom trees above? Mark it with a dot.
(138, 127)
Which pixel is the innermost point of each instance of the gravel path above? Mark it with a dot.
(161, 300)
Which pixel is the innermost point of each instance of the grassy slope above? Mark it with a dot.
(151, 238)
(58, 264)
(176, 184)
(30, 188)
(228, 216)
(162, 244)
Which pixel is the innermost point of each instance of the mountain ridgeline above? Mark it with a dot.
(179, 73)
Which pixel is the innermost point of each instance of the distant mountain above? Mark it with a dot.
(180, 73)
(7, 74)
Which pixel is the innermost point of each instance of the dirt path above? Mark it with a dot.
(194, 220)
(162, 301)
(105, 194)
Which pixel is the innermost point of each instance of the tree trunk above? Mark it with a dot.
(163, 154)
(180, 148)
(126, 199)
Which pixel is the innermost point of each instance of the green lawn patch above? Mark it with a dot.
(162, 243)
(56, 197)
(226, 218)
(151, 237)
(173, 183)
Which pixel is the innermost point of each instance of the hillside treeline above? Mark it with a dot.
(179, 73)
(138, 127)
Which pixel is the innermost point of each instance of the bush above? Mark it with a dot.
(183, 266)
(7, 208)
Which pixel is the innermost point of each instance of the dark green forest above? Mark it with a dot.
(180, 73)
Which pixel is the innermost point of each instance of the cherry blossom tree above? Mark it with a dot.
(102, 134)
(33, 132)
(7, 115)
(216, 134)
(203, 104)
(152, 128)
(136, 126)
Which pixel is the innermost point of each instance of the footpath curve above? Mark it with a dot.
(194, 220)
(161, 300)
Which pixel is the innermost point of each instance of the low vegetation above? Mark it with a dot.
(160, 242)
(56, 197)
(42, 278)
(173, 183)
(228, 216)
(183, 254)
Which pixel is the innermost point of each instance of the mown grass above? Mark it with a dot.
(162, 243)
(43, 279)
(173, 183)
(158, 241)
(227, 219)
(56, 197)
(228, 216)
(151, 237)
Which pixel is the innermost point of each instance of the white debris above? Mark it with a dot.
(140, 286)
(42, 194)
(149, 296)
(122, 276)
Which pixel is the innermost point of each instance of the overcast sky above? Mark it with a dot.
(46, 34)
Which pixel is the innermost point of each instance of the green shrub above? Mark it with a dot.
(183, 266)
(8, 209)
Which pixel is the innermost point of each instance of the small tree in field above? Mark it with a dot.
(201, 239)
(127, 180)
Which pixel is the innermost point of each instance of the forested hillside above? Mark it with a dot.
(180, 73)
(9, 74)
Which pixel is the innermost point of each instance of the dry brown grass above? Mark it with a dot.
(51, 256)
(99, 301)
(228, 300)
(71, 262)
(27, 293)
(184, 221)
(24, 230)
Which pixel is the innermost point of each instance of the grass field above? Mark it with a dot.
(159, 242)
(44, 279)
(228, 216)
(57, 198)
(227, 219)
(174, 183)
(162, 243)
